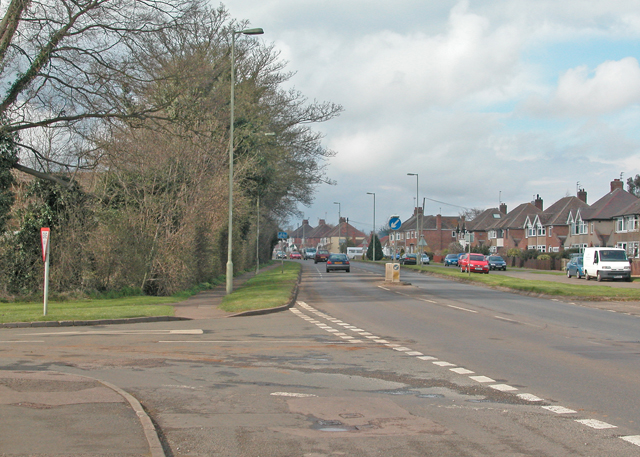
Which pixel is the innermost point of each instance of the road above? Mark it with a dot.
(361, 368)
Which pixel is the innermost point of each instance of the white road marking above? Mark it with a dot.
(367, 334)
(126, 332)
(481, 379)
(372, 337)
(291, 394)
(22, 341)
(356, 341)
(381, 341)
(401, 349)
(529, 397)
(560, 410)
(463, 309)
(413, 353)
(384, 288)
(634, 439)
(444, 364)
(599, 425)
(503, 387)
(428, 301)
(461, 370)
(427, 357)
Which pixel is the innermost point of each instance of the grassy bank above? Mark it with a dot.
(269, 289)
(579, 291)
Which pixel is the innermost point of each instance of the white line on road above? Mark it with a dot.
(126, 332)
(444, 364)
(463, 309)
(529, 397)
(503, 387)
(461, 370)
(634, 439)
(599, 425)
(481, 379)
(559, 410)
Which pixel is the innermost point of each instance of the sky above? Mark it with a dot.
(488, 101)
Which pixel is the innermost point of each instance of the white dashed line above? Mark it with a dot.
(529, 397)
(463, 309)
(503, 387)
(444, 364)
(560, 410)
(413, 353)
(481, 379)
(401, 349)
(599, 425)
(427, 357)
(381, 341)
(635, 439)
(461, 370)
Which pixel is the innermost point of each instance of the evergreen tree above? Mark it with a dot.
(379, 255)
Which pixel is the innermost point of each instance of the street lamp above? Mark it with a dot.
(373, 241)
(339, 224)
(417, 220)
(256, 31)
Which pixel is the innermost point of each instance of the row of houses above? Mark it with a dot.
(613, 220)
(326, 236)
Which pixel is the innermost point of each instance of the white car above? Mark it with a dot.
(425, 259)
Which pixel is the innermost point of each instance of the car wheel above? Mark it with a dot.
(586, 275)
(568, 273)
(348, 270)
(598, 276)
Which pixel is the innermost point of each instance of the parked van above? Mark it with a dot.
(353, 252)
(606, 263)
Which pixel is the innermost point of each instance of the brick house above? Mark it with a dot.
(300, 236)
(483, 228)
(597, 224)
(511, 230)
(437, 232)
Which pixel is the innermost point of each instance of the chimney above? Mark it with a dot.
(538, 203)
(321, 222)
(582, 195)
(617, 184)
(438, 222)
(305, 221)
(503, 208)
(343, 220)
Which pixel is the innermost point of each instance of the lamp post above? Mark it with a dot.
(373, 241)
(256, 31)
(419, 257)
(339, 224)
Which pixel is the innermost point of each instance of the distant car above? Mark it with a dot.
(575, 266)
(322, 255)
(338, 262)
(295, 255)
(473, 262)
(425, 259)
(451, 259)
(309, 253)
(281, 255)
(409, 259)
(497, 263)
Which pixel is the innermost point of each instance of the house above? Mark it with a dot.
(299, 237)
(596, 225)
(511, 231)
(318, 236)
(549, 231)
(483, 228)
(436, 232)
(627, 229)
(343, 233)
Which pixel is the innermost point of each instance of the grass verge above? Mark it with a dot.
(578, 291)
(269, 289)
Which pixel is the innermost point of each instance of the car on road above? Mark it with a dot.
(295, 255)
(309, 253)
(322, 255)
(473, 262)
(496, 263)
(574, 267)
(281, 255)
(425, 259)
(409, 259)
(451, 259)
(337, 262)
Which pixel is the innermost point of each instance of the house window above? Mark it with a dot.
(632, 223)
(542, 248)
(620, 226)
(453, 234)
(554, 249)
(541, 231)
(549, 231)
(592, 228)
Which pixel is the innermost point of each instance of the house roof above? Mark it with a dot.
(486, 220)
(303, 231)
(516, 217)
(321, 231)
(609, 206)
(346, 230)
(632, 209)
(558, 213)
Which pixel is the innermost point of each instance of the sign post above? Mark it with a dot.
(392, 270)
(45, 239)
(282, 236)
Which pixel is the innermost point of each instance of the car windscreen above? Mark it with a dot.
(338, 257)
(496, 258)
(613, 256)
(477, 257)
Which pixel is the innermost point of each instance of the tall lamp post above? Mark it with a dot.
(373, 241)
(339, 224)
(256, 31)
(419, 259)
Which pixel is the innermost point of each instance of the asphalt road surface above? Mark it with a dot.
(361, 368)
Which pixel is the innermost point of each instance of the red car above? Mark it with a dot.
(474, 262)
(295, 255)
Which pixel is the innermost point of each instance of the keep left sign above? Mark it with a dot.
(44, 238)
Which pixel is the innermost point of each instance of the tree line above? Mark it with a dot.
(114, 131)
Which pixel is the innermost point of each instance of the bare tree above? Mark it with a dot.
(71, 66)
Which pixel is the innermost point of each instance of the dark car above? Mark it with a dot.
(497, 263)
(451, 259)
(338, 262)
(473, 262)
(322, 255)
(574, 267)
(409, 259)
(281, 255)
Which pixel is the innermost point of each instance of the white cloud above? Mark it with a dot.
(613, 86)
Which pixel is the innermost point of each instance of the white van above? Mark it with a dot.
(353, 252)
(606, 263)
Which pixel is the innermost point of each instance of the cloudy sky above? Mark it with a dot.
(488, 101)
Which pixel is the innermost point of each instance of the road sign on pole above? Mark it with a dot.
(44, 239)
(282, 235)
(395, 223)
